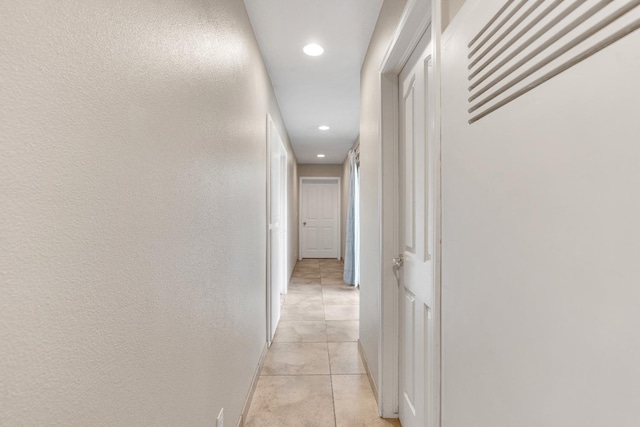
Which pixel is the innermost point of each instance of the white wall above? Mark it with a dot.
(541, 244)
(132, 174)
(320, 171)
(369, 173)
(293, 201)
(449, 9)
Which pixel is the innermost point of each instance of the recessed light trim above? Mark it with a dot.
(324, 127)
(313, 49)
(320, 155)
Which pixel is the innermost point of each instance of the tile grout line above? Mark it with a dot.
(333, 402)
(325, 322)
(297, 375)
(333, 396)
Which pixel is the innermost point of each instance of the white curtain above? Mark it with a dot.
(352, 246)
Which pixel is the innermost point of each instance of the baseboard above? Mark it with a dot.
(252, 388)
(366, 368)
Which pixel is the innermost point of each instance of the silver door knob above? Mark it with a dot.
(398, 262)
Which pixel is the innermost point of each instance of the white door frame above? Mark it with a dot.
(285, 215)
(283, 222)
(337, 180)
(416, 19)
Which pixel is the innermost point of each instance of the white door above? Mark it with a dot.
(417, 243)
(276, 254)
(319, 218)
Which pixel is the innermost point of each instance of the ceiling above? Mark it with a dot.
(321, 90)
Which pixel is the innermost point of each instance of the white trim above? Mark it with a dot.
(268, 227)
(284, 182)
(436, 40)
(283, 222)
(252, 387)
(415, 21)
(389, 330)
(338, 181)
(372, 381)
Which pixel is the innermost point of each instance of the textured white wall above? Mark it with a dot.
(132, 174)
(369, 173)
(541, 244)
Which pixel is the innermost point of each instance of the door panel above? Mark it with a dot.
(416, 239)
(409, 148)
(312, 202)
(327, 239)
(319, 219)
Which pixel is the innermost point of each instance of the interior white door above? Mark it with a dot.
(276, 255)
(319, 218)
(417, 243)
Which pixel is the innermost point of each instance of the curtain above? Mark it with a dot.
(352, 247)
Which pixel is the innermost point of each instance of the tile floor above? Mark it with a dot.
(313, 375)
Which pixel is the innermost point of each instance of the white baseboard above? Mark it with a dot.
(366, 368)
(252, 387)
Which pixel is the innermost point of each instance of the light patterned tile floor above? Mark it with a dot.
(313, 374)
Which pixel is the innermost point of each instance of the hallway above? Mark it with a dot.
(313, 374)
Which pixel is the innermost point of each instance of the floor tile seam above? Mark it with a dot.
(296, 375)
(353, 303)
(329, 356)
(299, 321)
(307, 304)
(333, 402)
(312, 303)
(298, 342)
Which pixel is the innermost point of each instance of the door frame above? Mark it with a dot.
(283, 221)
(418, 17)
(338, 181)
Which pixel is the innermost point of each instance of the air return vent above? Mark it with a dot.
(528, 42)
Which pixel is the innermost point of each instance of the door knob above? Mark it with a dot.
(398, 262)
(304, 223)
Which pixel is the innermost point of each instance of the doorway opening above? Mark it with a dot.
(277, 226)
(410, 229)
(352, 226)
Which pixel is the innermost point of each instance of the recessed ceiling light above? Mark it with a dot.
(320, 155)
(323, 127)
(313, 49)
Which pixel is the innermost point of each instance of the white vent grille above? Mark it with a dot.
(528, 42)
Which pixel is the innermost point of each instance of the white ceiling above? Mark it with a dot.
(322, 90)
